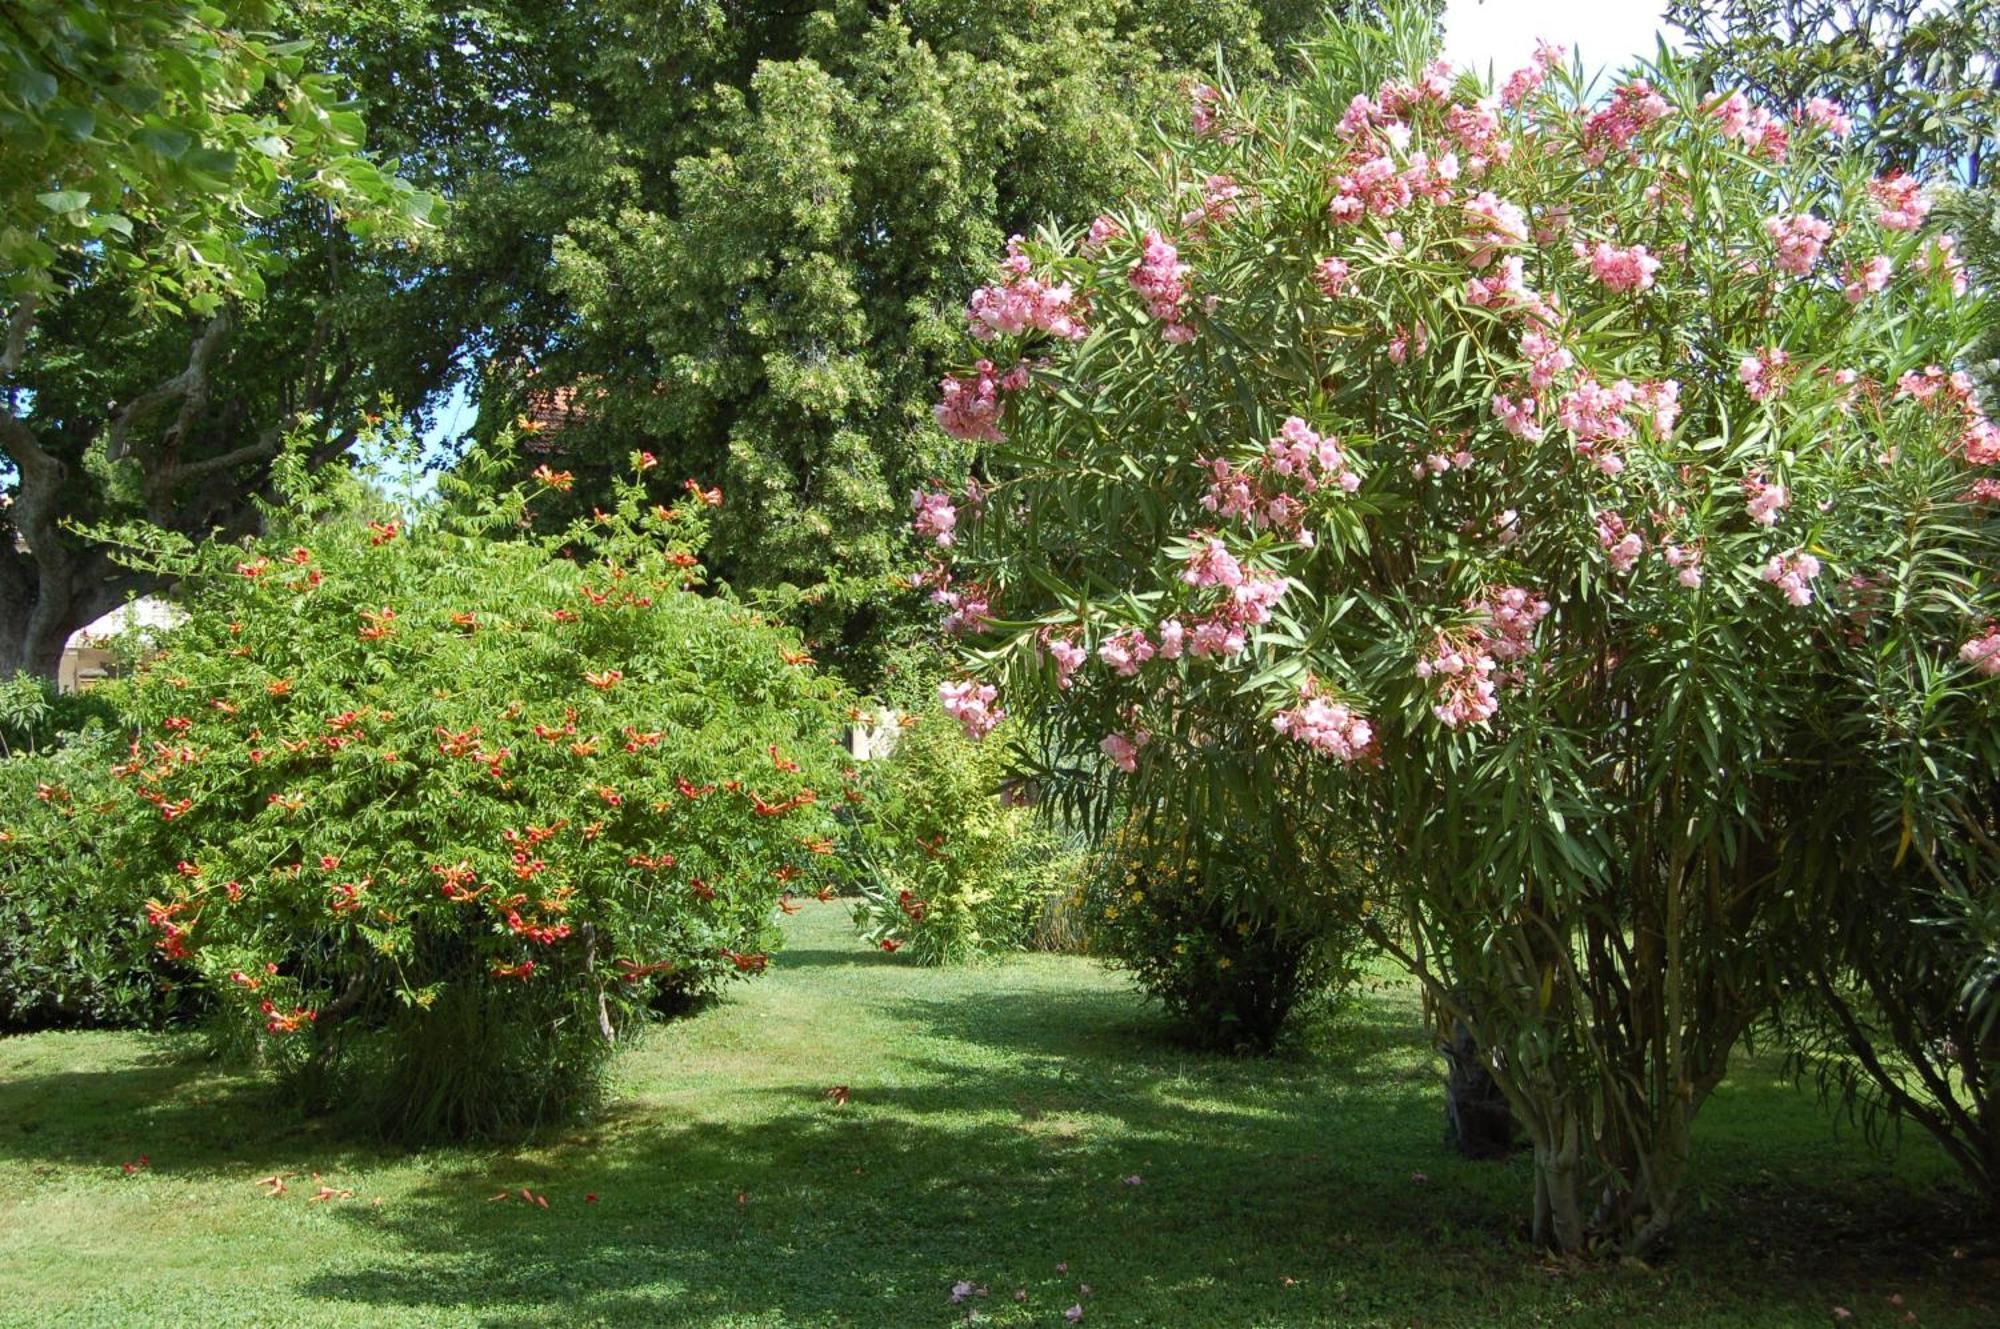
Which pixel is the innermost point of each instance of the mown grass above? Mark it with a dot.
(996, 1114)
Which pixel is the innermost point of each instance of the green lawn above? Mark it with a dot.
(995, 1116)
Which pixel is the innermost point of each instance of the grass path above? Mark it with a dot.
(995, 1118)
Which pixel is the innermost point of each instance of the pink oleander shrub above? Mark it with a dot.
(1561, 501)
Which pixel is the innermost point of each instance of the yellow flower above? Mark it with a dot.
(1242, 929)
(1137, 896)
(1180, 948)
(1223, 963)
(1110, 912)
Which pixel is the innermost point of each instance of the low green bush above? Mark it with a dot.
(75, 950)
(951, 869)
(1205, 930)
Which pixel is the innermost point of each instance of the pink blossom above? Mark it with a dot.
(1871, 278)
(1476, 129)
(1218, 203)
(1828, 115)
(1791, 574)
(1460, 670)
(1160, 278)
(1019, 303)
(1103, 230)
(971, 704)
(936, 517)
(1311, 458)
(1799, 240)
(1252, 602)
(1686, 562)
(1899, 201)
(1171, 635)
(1983, 652)
(1763, 500)
(1621, 546)
(1203, 103)
(1513, 612)
(1546, 356)
(1329, 728)
(1501, 289)
(1124, 651)
(1331, 276)
(1524, 83)
(1371, 186)
(1494, 222)
(1123, 749)
(1622, 269)
(1517, 415)
(1217, 637)
(1594, 416)
(1359, 117)
(1634, 108)
(970, 407)
(1211, 564)
(1731, 114)
(1408, 341)
(1069, 657)
(1765, 374)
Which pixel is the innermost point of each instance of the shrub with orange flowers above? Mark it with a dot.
(437, 808)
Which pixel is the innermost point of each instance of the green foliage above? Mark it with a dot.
(74, 946)
(157, 134)
(951, 869)
(1212, 932)
(437, 811)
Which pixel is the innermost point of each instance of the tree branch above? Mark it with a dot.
(191, 382)
(19, 323)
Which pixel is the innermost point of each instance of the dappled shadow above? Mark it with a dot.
(835, 957)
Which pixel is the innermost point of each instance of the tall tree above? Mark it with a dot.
(773, 211)
(162, 164)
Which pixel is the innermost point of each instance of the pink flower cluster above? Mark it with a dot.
(1686, 562)
(1799, 240)
(1462, 664)
(1298, 456)
(1371, 186)
(937, 516)
(1461, 669)
(1125, 650)
(1211, 564)
(1599, 418)
(1123, 749)
(1203, 103)
(1219, 195)
(1754, 127)
(1476, 130)
(1634, 108)
(1525, 83)
(970, 405)
(1871, 278)
(1019, 303)
(1493, 223)
(1793, 574)
(1405, 342)
(1827, 115)
(1160, 278)
(1329, 728)
(1979, 438)
(1764, 500)
(1622, 546)
(1765, 374)
(1899, 201)
(1331, 276)
(1069, 657)
(1620, 270)
(971, 704)
(1983, 652)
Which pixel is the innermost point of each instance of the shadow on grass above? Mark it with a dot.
(1307, 1189)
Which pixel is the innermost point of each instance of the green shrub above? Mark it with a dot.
(1204, 930)
(950, 870)
(74, 946)
(437, 810)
